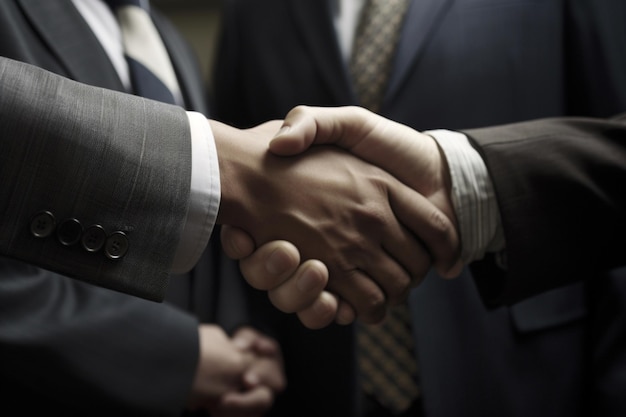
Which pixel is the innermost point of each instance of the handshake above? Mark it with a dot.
(344, 229)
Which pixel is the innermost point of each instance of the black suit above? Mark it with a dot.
(70, 348)
(562, 208)
(460, 64)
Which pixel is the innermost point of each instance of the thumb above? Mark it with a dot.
(237, 244)
(297, 133)
(304, 126)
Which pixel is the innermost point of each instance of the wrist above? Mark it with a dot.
(445, 189)
(471, 192)
(237, 167)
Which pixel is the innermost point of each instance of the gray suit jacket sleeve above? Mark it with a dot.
(100, 157)
(560, 189)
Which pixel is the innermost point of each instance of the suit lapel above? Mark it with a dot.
(422, 19)
(69, 37)
(316, 27)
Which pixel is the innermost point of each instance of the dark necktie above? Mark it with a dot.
(151, 71)
(386, 353)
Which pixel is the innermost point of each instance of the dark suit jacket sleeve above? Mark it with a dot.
(98, 156)
(560, 189)
(83, 350)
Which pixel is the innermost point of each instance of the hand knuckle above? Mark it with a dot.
(442, 227)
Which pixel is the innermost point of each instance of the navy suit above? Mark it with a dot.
(460, 64)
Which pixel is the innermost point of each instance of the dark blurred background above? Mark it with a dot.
(199, 21)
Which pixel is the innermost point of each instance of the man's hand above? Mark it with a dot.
(333, 207)
(239, 376)
(220, 369)
(412, 157)
(291, 285)
(262, 381)
(409, 155)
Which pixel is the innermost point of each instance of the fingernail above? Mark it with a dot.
(308, 281)
(241, 344)
(282, 131)
(278, 262)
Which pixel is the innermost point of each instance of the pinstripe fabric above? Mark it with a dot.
(474, 196)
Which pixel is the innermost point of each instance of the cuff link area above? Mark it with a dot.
(70, 232)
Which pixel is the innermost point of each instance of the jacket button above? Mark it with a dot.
(116, 245)
(94, 238)
(42, 224)
(69, 232)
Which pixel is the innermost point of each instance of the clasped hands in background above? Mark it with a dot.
(345, 211)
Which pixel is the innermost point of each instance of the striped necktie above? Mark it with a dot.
(386, 353)
(151, 71)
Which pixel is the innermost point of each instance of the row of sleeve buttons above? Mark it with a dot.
(70, 232)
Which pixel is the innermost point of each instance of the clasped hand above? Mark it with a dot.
(368, 210)
(236, 376)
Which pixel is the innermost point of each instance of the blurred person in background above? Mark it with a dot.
(456, 64)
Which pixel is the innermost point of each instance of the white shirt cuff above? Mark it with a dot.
(473, 196)
(204, 199)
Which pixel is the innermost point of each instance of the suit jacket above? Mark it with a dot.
(69, 347)
(55, 37)
(460, 64)
(568, 198)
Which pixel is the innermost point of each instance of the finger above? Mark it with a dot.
(302, 288)
(249, 403)
(296, 134)
(237, 244)
(244, 338)
(345, 314)
(453, 271)
(321, 312)
(405, 245)
(303, 126)
(268, 372)
(266, 346)
(394, 265)
(432, 226)
(389, 275)
(362, 293)
(414, 258)
(270, 265)
(249, 339)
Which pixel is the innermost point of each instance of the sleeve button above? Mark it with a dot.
(116, 245)
(69, 232)
(94, 238)
(42, 225)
